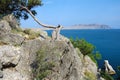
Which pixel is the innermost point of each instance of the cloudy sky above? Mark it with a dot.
(71, 12)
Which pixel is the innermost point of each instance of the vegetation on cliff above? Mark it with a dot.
(68, 64)
(86, 48)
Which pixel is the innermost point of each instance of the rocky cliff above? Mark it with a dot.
(24, 56)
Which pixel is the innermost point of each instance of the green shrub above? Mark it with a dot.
(86, 48)
(95, 56)
(42, 67)
(106, 76)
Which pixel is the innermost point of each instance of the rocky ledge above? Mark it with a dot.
(21, 54)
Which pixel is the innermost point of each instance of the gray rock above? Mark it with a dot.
(28, 54)
(4, 26)
(13, 22)
(68, 64)
(43, 34)
(18, 62)
(9, 55)
(11, 38)
(12, 74)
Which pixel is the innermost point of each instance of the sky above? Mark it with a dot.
(72, 12)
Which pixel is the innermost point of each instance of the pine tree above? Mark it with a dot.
(15, 7)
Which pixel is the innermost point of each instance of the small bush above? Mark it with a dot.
(86, 48)
(106, 76)
(42, 68)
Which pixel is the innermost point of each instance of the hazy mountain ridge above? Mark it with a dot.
(89, 26)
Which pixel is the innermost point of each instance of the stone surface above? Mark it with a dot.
(11, 38)
(43, 34)
(18, 58)
(4, 26)
(69, 63)
(9, 55)
(6, 36)
(13, 22)
(12, 74)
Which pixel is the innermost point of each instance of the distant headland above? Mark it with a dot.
(88, 26)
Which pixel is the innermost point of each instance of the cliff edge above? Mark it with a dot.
(31, 55)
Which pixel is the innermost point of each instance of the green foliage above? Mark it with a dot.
(98, 55)
(106, 76)
(42, 67)
(95, 56)
(86, 48)
(14, 7)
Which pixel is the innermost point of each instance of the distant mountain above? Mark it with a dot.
(89, 26)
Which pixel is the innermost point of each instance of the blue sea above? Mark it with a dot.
(107, 42)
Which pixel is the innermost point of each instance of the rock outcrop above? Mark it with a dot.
(108, 68)
(42, 58)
